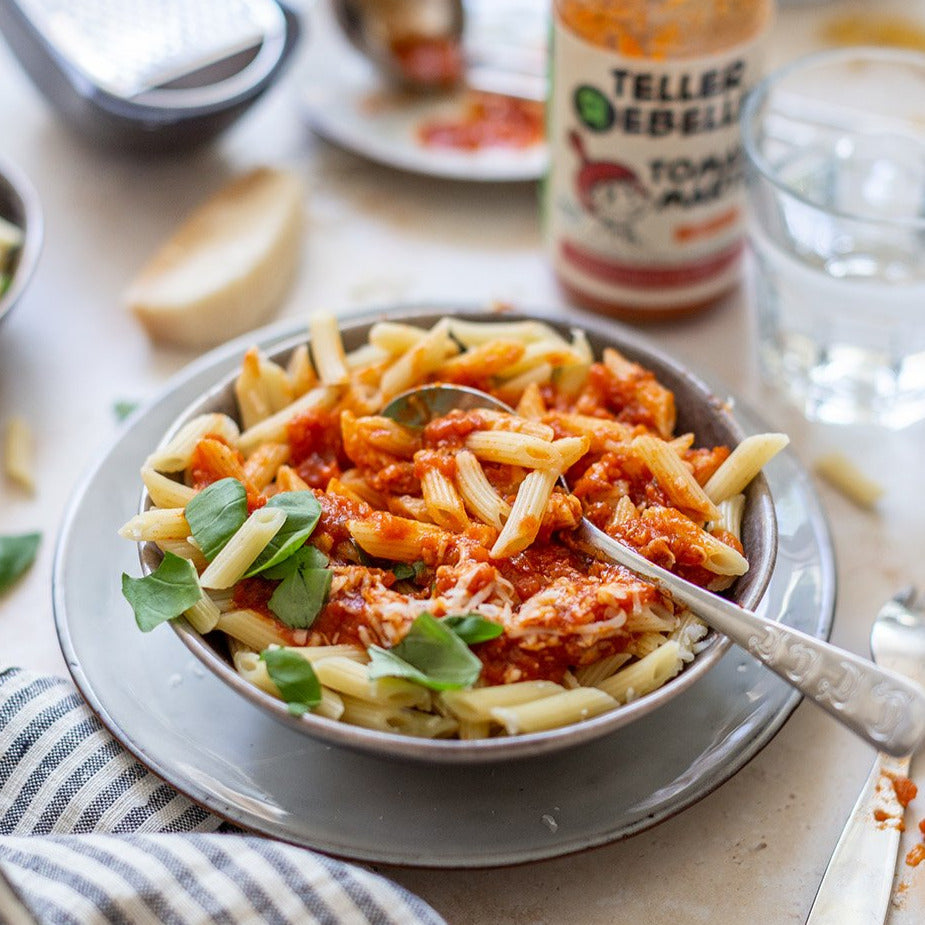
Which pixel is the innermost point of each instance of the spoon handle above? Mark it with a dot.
(858, 881)
(882, 707)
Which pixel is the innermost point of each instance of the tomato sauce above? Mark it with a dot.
(487, 120)
(433, 460)
(505, 660)
(341, 620)
(904, 789)
(315, 446)
(450, 432)
(431, 61)
(619, 395)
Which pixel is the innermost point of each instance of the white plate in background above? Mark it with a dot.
(345, 101)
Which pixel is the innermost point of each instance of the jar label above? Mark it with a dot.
(644, 197)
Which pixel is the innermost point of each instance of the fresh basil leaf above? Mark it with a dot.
(170, 590)
(306, 557)
(430, 654)
(302, 515)
(122, 408)
(407, 571)
(472, 627)
(296, 679)
(17, 553)
(215, 514)
(299, 598)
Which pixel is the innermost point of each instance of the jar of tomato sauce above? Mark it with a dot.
(643, 201)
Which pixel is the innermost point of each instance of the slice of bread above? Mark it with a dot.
(228, 266)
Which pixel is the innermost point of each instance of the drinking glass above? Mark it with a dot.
(835, 160)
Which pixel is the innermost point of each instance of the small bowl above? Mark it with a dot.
(19, 204)
(699, 410)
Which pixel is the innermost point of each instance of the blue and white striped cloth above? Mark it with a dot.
(88, 835)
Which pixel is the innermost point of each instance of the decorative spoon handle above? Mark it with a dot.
(882, 707)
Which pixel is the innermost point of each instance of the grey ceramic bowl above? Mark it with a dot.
(19, 204)
(699, 410)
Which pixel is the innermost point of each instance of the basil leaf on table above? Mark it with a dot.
(169, 591)
(472, 627)
(17, 553)
(296, 679)
(430, 654)
(215, 514)
(303, 591)
(302, 515)
(123, 408)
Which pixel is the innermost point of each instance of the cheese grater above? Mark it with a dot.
(150, 73)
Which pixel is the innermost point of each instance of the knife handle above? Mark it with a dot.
(858, 881)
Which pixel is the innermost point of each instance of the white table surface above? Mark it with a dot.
(753, 851)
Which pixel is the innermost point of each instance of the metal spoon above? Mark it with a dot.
(379, 29)
(858, 882)
(883, 707)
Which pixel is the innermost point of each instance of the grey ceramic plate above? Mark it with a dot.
(699, 411)
(223, 752)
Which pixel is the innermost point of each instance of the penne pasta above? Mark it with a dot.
(18, 453)
(203, 615)
(252, 629)
(551, 712)
(253, 669)
(476, 705)
(348, 676)
(526, 515)
(274, 427)
(646, 675)
(301, 373)
(411, 368)
(513, 449)
(674, 477)
(176, 454)
(240, 552)
(397, 719)
(731, 511)
(155, 525)
(844, 475)
(398, 538)
(165, 491)
(262, 388)
(182, 547)
(478, 494)
(743, 464)
(444, 503)
(327, 349)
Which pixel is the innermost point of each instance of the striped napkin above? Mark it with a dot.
(88, 835)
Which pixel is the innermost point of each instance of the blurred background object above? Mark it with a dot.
(21, 232)
(150, 74)
(644, 199)
(417, 44)
(835, 150)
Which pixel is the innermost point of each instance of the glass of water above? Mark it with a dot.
(835, 156)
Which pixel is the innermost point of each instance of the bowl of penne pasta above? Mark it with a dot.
(416, 591)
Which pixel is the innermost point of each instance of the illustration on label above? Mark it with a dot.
(610, 191)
